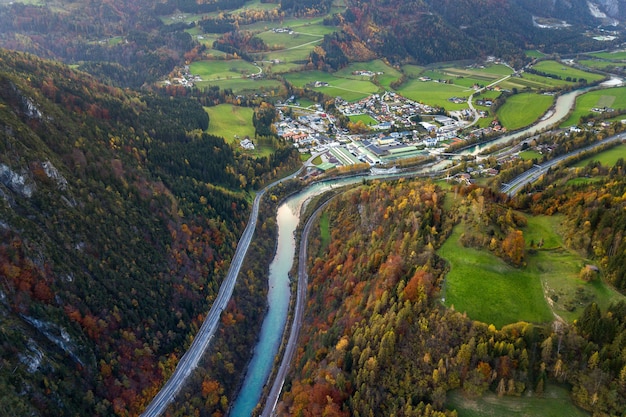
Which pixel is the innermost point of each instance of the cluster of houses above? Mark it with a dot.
(387, 109)
(283, 30)
(185, 78)
(366, 73)
(305, 129)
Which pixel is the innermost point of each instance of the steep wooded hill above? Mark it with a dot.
(429, 31)
(117, 225)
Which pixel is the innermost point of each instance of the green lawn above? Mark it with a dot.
(348, 89)
(324, 231)
(593, 63)
(611, 97)
(244, 85)
(530, 154)
(222, 69)
(389, 74)
(365, 118)
(534, 54)
(226, 120)
(612, 56)
(558, 270)
(488, 289)
(435, 94)
(491, 291)
(564, 71)
(606, 158)
(412, 70)
(523, 109)
(555, 402)
(277, 41)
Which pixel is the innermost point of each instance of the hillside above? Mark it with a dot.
(138, 43)
(429, 31)
(377, 341)
(117, 225)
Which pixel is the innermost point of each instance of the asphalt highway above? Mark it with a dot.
(511, 188)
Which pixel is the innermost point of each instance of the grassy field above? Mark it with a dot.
(435, 94)
(491, 291)
(534, 106)
(555, 402)
(348, 89)
(611, 97)
(389, 74)
(244, 85)
(488, 289)
(324, 231)
(564, 71)
(277, 41)
(365, 118)
(530, 154)
(221, 69)
(558, 269)
(412, 70)
(612, 56)
(606, 158)
(226, 120)
(593, 63)
(534, 54)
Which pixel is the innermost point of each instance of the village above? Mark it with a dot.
(403, 128)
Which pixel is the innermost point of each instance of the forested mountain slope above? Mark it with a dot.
(429, 31)
(376, 340)
(117, 225)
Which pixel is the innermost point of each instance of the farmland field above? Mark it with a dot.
(592, 63)
(534, 106)
(365, 118)
(558, 270)
(388, 75)
(226, 120)
(348, 89)
(492, 291)
(555, 402)
(610, 97)
(435, 94)
(606, 158)
(244, 85)
(222, 69)
(612, 56)
(534, 54)
(564, 71)
(488, 289)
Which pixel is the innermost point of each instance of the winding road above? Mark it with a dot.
(516, 184)
(201, 341)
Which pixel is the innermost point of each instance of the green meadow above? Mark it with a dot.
(435, 94)
(534, 54)
(564, 71)
(222, 69)
(244, 85)
(530, 154)
(488, 289)
(389, 74)
(606, 158)
(612, 56)
(554, 402)
(523, 109)
(226, 120)
(596, 64)
(611, 97)
(558, 269)
(348, 89)
(365, 118)
(492, 291)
